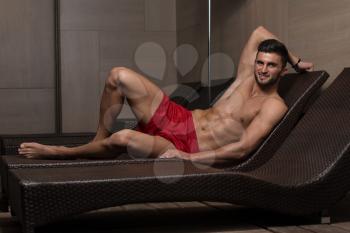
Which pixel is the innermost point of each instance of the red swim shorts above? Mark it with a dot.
(174, 123)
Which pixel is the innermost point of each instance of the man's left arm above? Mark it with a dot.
(270, 114)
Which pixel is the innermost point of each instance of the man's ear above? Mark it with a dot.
(284, 71)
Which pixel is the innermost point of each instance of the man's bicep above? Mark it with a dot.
(246, 61)
(248, 55)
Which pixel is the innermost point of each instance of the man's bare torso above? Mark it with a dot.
(230, 116)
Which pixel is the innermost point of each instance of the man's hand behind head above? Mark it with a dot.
(305, 66)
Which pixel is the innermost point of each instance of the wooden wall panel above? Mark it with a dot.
(27, 111)
(117, 47)
(319, 32)
(80, 85)
(197, 37)
(160, 15)
(230, 23)
(119, 15)
(273, 14)
(27, 67)
(192, 29)
(189, 13)
(27, 41)
(234, 21)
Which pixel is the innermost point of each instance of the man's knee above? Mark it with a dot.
(117, 76)
(121, 138)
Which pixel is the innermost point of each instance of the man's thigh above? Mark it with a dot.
(142, 95)
(141, 145)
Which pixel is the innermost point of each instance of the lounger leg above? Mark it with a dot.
(27, 228)
(325, 217)
(4, 205)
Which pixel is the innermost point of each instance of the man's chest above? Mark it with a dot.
(249, 110)
(242, 108)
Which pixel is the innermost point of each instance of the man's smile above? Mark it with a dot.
(263, 76)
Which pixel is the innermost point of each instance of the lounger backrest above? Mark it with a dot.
(296, 90)
(203, 99)
(318, 146)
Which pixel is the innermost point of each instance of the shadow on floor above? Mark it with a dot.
(175, 217)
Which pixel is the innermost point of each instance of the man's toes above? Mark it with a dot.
(29, 145)
(25, 145)
(25, 151)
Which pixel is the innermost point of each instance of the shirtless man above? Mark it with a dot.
(229, 130)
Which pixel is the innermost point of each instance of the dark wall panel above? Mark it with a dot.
(27, 66)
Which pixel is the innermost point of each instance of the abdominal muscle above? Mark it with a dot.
(226, 121)
(219, 125)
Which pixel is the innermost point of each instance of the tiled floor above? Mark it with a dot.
(189, 217)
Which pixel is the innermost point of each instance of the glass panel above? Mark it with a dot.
(164, 40)
(225, 47)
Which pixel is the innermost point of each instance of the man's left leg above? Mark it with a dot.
(142, 95)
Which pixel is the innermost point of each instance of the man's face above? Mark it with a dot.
(268, 69)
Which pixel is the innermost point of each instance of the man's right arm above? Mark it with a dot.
(245, 70)
(247, 59)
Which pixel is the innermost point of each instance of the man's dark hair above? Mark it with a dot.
(274, 46)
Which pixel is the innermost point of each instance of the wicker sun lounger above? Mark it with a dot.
(296, 89)
(307, 174)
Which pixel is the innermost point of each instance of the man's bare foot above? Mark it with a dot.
(34, 150)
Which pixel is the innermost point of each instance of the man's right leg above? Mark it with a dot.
(142, 95)
(135, 143)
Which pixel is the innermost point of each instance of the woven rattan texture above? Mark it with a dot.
(297, 99)
(318, 141)
(308, 173)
